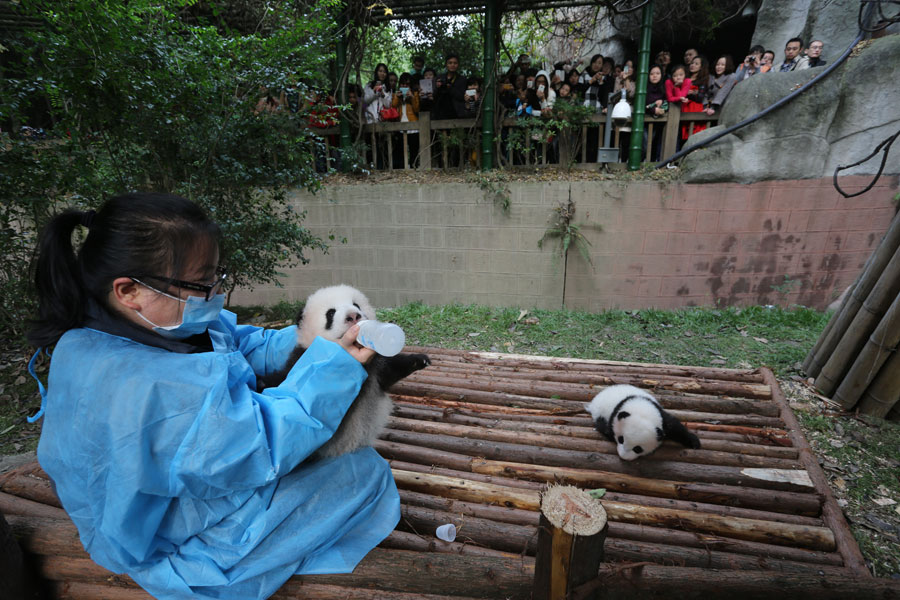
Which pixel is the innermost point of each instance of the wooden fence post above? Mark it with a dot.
(673, 131)
(570, 542)
(425, 141)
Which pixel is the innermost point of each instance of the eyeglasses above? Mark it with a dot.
(210, 289)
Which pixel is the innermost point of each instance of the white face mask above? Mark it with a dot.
(198, 314)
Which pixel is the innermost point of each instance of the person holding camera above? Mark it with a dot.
(751, 65)
(376, 95)
(449, 92)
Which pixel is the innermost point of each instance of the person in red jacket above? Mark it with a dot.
(678, 87)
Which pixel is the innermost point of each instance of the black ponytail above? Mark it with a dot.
(57, 277)
(132, 235)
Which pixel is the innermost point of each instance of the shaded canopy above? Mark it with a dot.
(421, 9)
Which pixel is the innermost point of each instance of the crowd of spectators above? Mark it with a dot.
(697, 84)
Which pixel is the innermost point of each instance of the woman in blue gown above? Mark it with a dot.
(172, 467)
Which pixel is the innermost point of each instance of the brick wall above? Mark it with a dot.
(652, 244)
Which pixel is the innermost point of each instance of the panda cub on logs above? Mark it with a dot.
(634, 420)
(328, 313)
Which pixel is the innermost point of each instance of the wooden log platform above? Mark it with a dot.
(476, 439)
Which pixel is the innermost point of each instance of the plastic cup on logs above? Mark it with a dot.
(446, 532)
(386, 339)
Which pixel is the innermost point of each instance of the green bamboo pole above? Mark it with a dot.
(640, 93)
(341, 60)
(884, 393)
(490, 86)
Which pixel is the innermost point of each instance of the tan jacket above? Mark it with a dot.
(412, 105)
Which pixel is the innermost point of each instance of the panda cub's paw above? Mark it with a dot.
(420, 361)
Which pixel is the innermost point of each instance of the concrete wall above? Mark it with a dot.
(653, 244)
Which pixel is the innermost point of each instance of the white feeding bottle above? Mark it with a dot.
(386, 339)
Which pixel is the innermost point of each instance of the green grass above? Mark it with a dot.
(861, 458)
(732, 337)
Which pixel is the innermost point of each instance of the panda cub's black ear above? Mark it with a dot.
(660, 434)
(623, 415)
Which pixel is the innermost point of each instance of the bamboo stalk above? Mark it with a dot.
(669, 451)
(884, 392)
(692, 583)
(875, 266)
(851, 341)
(590, 460)
(831, 512)
(450, 416)
(878, 348)
(718, 499)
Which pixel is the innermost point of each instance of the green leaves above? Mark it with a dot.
(148, 95)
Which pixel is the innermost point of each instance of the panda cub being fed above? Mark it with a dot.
(329, 313)
(634, 420)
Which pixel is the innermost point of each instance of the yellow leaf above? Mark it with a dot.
(388, 11)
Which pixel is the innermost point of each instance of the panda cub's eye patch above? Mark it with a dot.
(621, 439)
(637, 449)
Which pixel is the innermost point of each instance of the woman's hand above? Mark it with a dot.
(659, 103)
(355, 349)
(658, 111)
(540, 95)
(710, 111)
(683, 100)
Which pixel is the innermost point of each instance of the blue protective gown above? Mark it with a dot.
(178, 473)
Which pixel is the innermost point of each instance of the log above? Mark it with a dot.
(486, 390)
(584, 386)
(592, 460)
(831, 512)
(12, 563)
(874, 306)
(669, 451)
(875, 266)
(453, 416)
(878, 348)
(884, 392)
(13, 505)
(402, 540)
(77, 590)
(585, 364)
(383, 569)
(30, 487)
(627, 531)
(570, 542)
(503, 514)
(661, 535)
(814, 538)
(47, 536)
(512, 540)
(317, 591)
(619, 550)
(532, 477)
(691, 583)
(450, 574)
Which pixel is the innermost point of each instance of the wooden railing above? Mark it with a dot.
(456, 143)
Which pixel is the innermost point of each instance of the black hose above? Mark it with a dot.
(886, 146)
(778, 104)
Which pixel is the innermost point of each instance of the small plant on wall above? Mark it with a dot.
(566, 232)
(569, 235)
